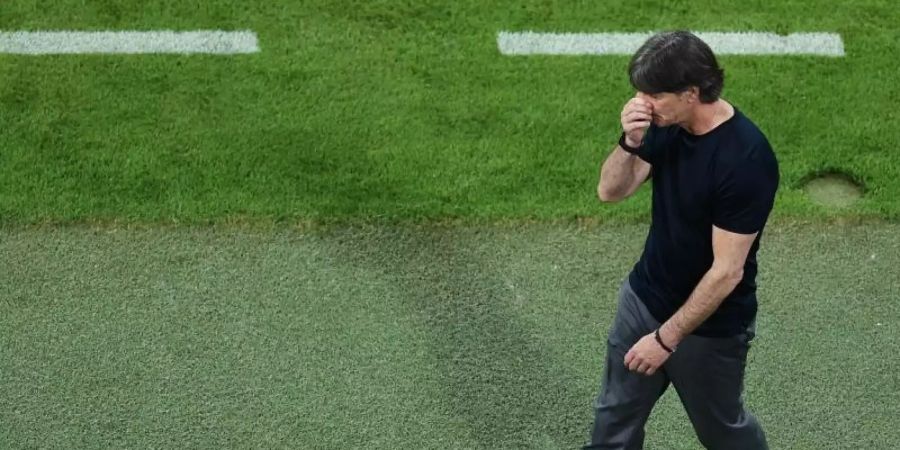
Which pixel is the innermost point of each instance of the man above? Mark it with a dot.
(686, 313)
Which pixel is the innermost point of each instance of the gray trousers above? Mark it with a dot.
(708, 374)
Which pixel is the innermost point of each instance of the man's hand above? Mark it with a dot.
(646, 356)
(636, 117)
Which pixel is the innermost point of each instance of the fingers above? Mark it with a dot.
(628, 127)
(636, 115)
(637, 104)
(637, 364)
(642, 368)
(633, 362)
(627, 111)
(635, 120)
(644, 357)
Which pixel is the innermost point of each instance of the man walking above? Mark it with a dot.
(686, 313)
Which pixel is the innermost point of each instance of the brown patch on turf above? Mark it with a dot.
(835, 190)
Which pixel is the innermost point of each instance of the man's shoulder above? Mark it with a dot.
(744, 141)
(746, 130)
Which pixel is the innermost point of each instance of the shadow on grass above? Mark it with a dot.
(504, 388)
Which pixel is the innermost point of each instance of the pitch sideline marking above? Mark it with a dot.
(128, 42)
(722, 43)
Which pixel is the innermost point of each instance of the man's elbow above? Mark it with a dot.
(730, 275)
(607, 195)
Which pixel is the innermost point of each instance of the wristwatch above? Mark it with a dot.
(626, 147)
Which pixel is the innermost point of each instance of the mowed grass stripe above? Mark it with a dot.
(428, 337)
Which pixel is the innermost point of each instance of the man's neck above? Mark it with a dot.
(708, 116)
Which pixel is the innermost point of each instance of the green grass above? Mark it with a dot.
(406, 111)
(402, 336)
(427, 337)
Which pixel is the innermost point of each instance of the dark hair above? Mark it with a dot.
(673, 62)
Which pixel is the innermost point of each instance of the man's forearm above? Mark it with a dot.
(617, 172)
(712, 289)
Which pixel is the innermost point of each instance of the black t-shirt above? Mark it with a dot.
(725, 178)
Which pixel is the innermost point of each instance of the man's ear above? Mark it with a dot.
(693, 94)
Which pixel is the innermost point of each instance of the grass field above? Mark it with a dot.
(406, 111)
(378, 232)
(430, 337)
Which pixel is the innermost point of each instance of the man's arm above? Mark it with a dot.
(621, 175)
(729, 254)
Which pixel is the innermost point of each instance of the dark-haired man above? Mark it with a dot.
(686, 313)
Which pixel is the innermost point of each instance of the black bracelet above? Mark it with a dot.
(626, 147)
(659, 339)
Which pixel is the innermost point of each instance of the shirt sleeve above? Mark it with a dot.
(649, 149)
(745, 192)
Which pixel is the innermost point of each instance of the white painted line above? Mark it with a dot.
(128, 42)
(739, 43)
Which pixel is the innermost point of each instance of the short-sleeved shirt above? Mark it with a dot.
(725, 178)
